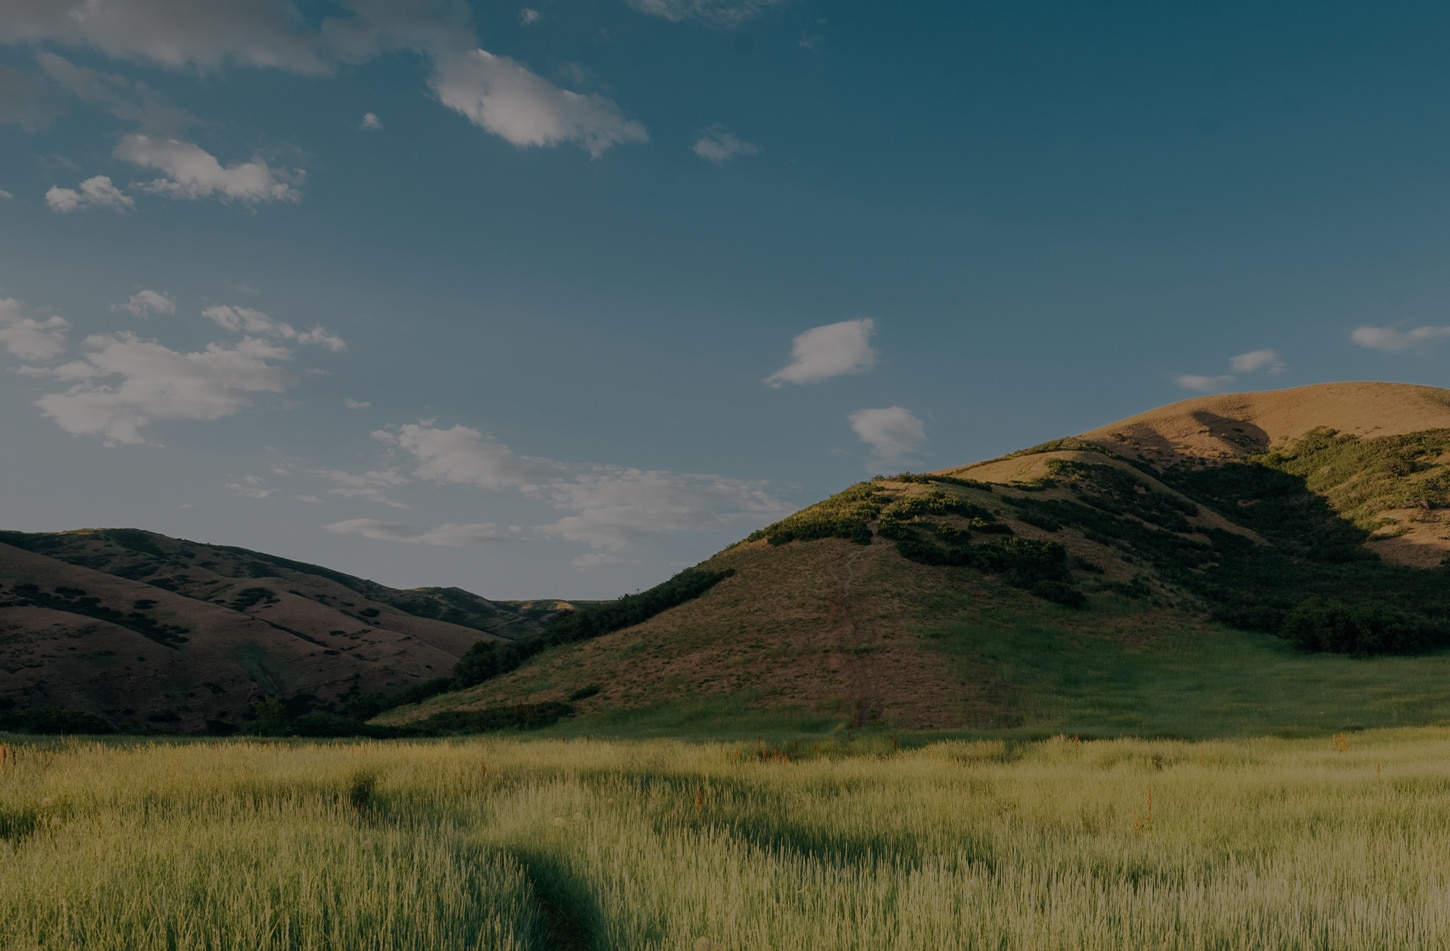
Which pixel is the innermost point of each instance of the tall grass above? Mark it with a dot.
(1332, 842)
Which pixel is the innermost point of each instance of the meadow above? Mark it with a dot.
(778, 842)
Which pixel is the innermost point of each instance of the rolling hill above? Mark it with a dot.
(142, 629)
(1222, 563)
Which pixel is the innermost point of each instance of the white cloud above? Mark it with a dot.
(1256, 360)
(824, 352)
(368, 487)
(614, 506)
(502, 96)
(319, 336)
(1203, 384)
(593, 559)
(96, 192)
(464, 456)
(123, 383)
(495, 92)
(720, 13)
(192, 172)
(144, 303)
(371, 121)
(718, 146)
(28, 338)
(247, 320)
(1393, 339)
(448, 535)
(351, 403)
(5, 196)
(893, 433)
(608, 506)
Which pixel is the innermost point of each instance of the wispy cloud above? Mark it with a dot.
(1204, 384)
(829, 351)
(447, 535)
(247, 320)
(171, 33)
(1394, 340)
(607, 507)
(96, 192)
(495, 92)
(1266, 360)
(253, 487)
(719, 146)
(351, 403)
(893, 433)
(368, 486)
(371, 121)
(726, 14)
(126, 99)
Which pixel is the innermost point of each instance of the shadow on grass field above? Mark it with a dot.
(1207, 682)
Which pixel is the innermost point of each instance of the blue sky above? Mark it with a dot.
(556, 299)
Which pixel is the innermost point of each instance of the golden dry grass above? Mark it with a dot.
(1327, 843)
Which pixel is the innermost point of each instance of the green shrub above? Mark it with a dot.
(1369, 627)
(844, 515)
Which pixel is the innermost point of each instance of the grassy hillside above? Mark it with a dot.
(146, 630)
(1133, 579)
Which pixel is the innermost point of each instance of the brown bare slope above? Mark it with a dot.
(138, 627)
(826, 627)
(1231, 426)
(1231, 507)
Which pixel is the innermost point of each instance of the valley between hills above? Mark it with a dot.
(1254, 563)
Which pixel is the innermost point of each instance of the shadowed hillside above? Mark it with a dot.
(1271, 529)
(140, 628)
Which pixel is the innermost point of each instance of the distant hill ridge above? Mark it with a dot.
(141, 628)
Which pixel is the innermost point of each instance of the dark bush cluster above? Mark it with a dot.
(1362, 629)
(76, 601)
(48, 719)
(1120, 492)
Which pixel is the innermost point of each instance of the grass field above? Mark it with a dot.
(541, 843)
(1207, 681)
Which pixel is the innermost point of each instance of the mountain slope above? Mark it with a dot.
(138, 627)
(1313, 515)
